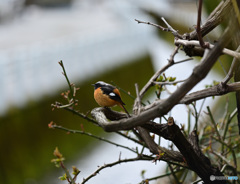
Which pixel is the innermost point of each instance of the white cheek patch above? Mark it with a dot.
(112, 94)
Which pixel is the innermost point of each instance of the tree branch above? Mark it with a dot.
(196, 43)
(215, 18)
(168, 83)
(217, 90)
(171, 62)
(168, 29)
(164, 106)
(90, 135)
(234, 65)
(152, 24)
(212, 91)
(138, 158)
(198, 30)
(195, 160)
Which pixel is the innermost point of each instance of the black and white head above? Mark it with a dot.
(101, 84)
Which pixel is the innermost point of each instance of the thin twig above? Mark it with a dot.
(137, 104)
(168, 83)
(215, 18)
(184, 60)
(174, 32)
(130, 138)
(138, 158)
(161, 176)
(168, 29)
(231, 70)
(159, 72)
(221, 157)
(70, 109)
(199, 34)
(69, 84)
(196, 117)
(62, 106)
(69, 177)
(91, 135)
(152, 24)
(174, 174)
(171, 59)
(153, 78)
(214, 123)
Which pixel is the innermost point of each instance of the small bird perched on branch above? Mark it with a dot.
(107, 95)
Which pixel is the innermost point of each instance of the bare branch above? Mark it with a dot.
(168, 83)
(70, 109)
(152, 146)
(91, 135)
(137, 105)
(199, 34)
(161, 176)
(217, 90)
(231, 70)
(159, 72)
(169, 29)
(153, 78)
(171, 60)
(196, 43)
(214, 19)
(71, 86)
(152, 24)
(212, 91)
(195, 160)
(221, 157)
(174, 32)
(138, 158)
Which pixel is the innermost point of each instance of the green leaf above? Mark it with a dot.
(172, 79)
(160, 78)
(63, 177)
(142, 173)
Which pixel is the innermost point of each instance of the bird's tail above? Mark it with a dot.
(122, 106)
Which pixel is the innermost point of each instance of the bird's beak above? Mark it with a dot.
(93, 84)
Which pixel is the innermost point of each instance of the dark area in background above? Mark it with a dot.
(27, 143)
(49, 3)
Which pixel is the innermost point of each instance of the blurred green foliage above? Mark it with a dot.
(27, 143)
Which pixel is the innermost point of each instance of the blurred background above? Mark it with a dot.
(97, 40)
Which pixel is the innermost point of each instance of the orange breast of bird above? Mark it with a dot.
(103, 99)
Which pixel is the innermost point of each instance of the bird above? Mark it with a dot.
(107, 95)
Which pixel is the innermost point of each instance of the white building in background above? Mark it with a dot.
(88, 36)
